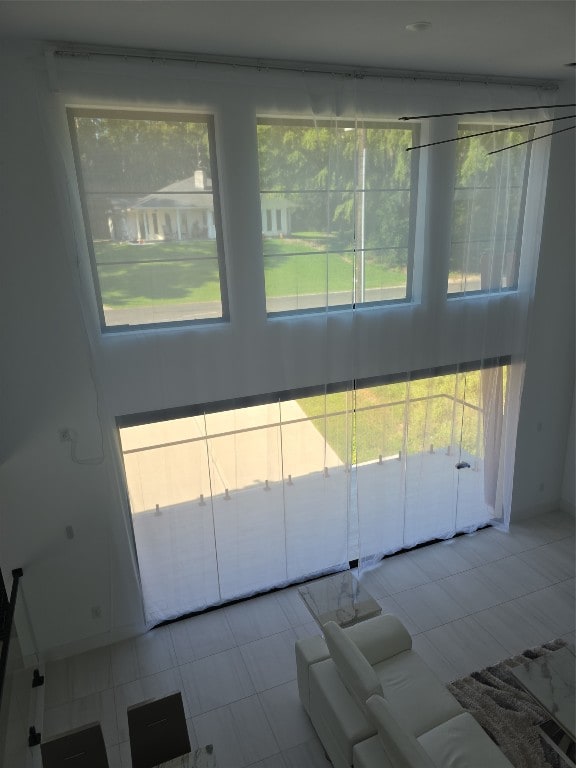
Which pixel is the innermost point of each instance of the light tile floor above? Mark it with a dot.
(468, 603)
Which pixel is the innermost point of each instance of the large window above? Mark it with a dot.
(235, 501)
(488, 208)
(342, 193)
(149, 193)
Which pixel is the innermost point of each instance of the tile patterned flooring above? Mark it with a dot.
(468, 603)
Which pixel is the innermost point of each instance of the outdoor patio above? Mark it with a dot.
(251, 533)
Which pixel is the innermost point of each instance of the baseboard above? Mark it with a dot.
(568, 507)
(563, 506)
(532, 511)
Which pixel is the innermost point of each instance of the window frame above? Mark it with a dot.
(165, 116)
(350, 122)
(521, 218)
(142, 418)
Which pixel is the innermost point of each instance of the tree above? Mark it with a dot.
(124, 158)
(328, 169)
(487, 203)
(123, 155)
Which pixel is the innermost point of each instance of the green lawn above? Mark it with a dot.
(378, 430)
(107, 252)
(134, 275)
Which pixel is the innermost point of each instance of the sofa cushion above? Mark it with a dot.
(354, 669)
(401, 748)
(462, 743)
(418, 698)
(380, 638)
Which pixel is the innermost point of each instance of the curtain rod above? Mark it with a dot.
(487, 111)
(73, 50)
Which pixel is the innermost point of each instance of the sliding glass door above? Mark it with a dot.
(229, 503)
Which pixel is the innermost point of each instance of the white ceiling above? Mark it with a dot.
(521, 38)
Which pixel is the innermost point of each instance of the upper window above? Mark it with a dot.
(488, 210)
(336, 198)
(148, 185)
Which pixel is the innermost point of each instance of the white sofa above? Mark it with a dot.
(374, 703)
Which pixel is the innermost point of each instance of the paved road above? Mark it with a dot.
(212, 309)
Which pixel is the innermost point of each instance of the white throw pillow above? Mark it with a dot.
(353, 667)
(402, 749)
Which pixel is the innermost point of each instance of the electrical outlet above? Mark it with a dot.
(65, 435)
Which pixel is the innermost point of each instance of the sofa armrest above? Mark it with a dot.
(309, 651)
(353, 667)
(380, 638)
(370, 754)
(401, 748)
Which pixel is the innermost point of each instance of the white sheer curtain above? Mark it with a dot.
(453, 470)
(236, 501)
(378, 305)
(437, 472)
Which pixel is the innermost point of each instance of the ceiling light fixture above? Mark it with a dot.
(418, 26)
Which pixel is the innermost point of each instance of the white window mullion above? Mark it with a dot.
(439, 167)
(238, 166)
(117, 188)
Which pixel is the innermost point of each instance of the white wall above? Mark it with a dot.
(549, 381)
(46, 383)
(55, 373)
(568, 494)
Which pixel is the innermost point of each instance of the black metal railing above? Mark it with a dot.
(7, 607)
